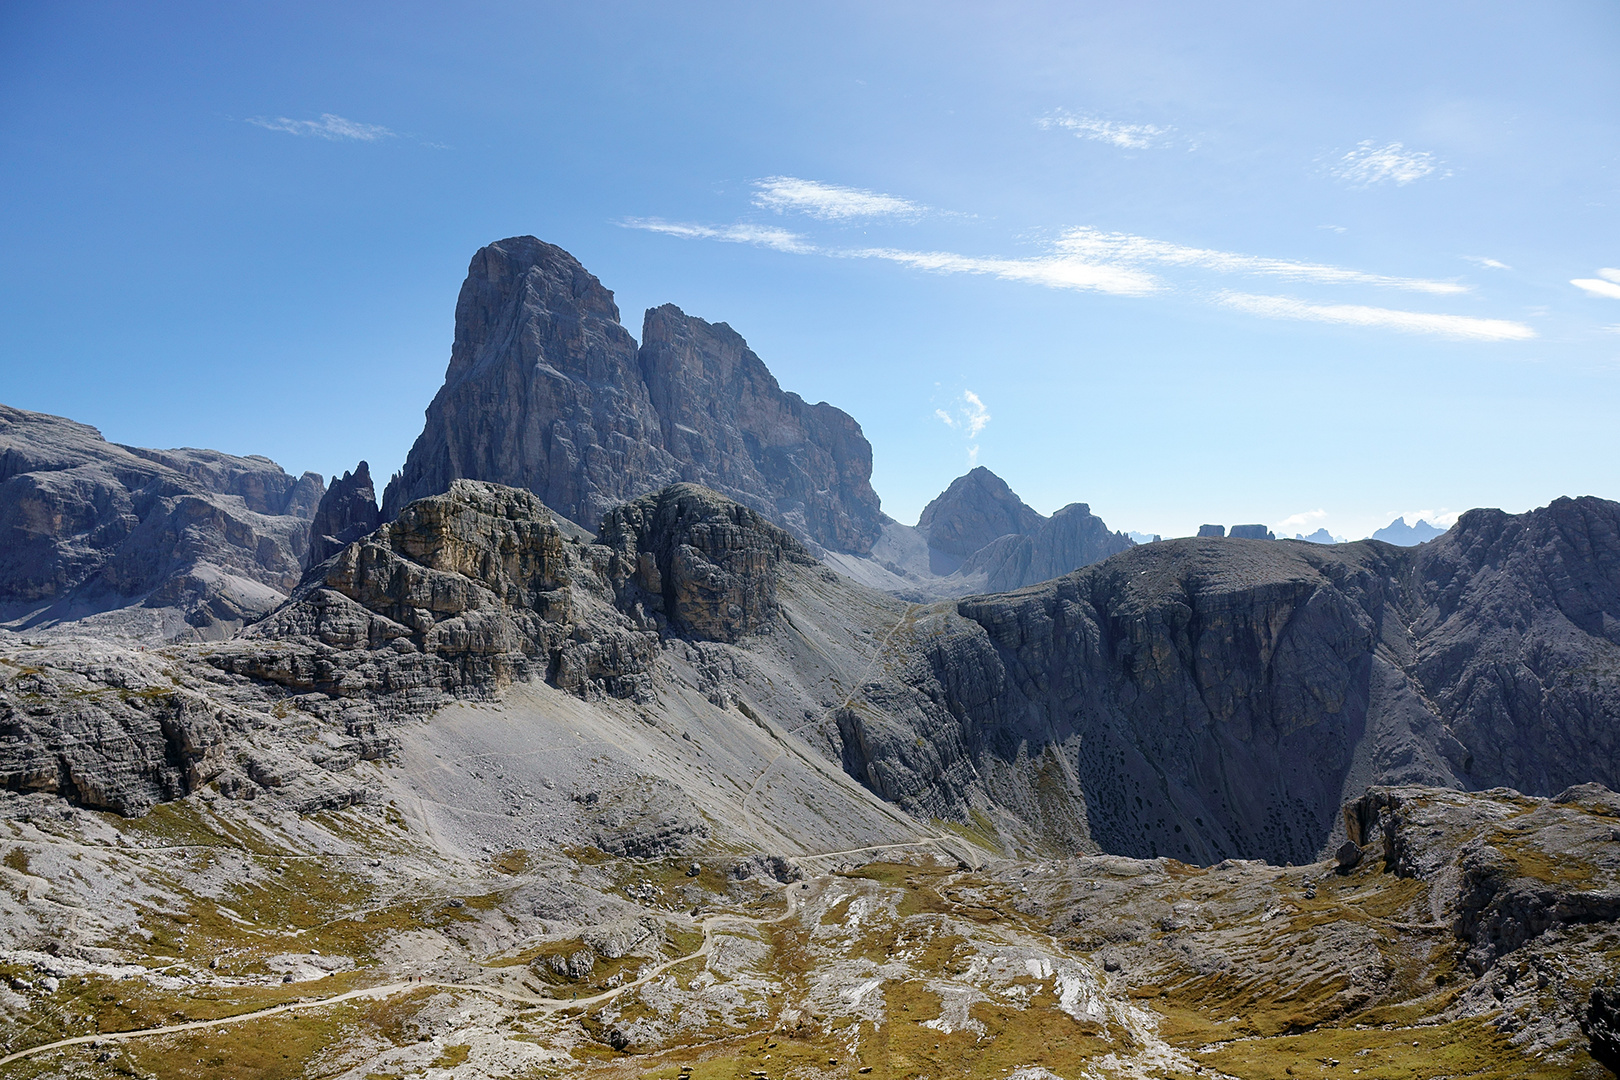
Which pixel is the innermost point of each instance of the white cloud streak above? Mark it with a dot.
(1597, 287)
(1299, 521)
(1089, 260)
(1052, 271)
(334, 128)
(760, 235)
(1609, 273)
(1457, 327)
(1094, 245)
(1124, 136)
(830, 202)
(1367, 165)
(1489, 264)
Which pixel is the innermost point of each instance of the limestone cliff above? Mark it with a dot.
(161, 543)
(347, 512)
(1208, 698)
(547, 391)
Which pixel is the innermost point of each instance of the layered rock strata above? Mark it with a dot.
(547, 391)
(199, 540)
(1216, 698)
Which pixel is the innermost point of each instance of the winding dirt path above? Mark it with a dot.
(386, 990)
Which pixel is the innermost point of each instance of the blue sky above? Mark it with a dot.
(1300, 264)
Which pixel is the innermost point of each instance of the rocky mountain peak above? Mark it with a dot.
(976, 509)
(547, 391)
(346, 512)
(732, 428)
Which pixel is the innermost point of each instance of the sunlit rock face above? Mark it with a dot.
(196, 541)
(547, 391)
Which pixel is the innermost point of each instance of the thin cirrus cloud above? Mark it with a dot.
(1368, 165)
(329, 126)
(1489, 264)
(1122, 264)
(1052, 271)
(1124, 136)
(1606, 284)
(1096, 245)
(830, 202)
(759, 235)
(1456, 327)
(970, 419)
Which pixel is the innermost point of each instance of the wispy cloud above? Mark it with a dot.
(335, 128)
(830, 202)
(969, 417)
(1459, 327)
(1489, 264)
(1607, 283)
(761, 235)
(1392, 163)
(1124, 136)
(1052, 271)
(1301, 520)
(1095, 245)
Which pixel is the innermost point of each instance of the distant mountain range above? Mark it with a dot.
(1399, 533)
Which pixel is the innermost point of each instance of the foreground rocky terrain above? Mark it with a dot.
(521, 761)
(752, 780)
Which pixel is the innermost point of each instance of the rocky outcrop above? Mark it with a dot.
(462, 594)
(1252, 532)
(347, 512)
(202, 541)
(731, 428)
(1517, 628)
(977, 508)
(547, 391)
(1222, 697)
(704, 564)
(1071, 538)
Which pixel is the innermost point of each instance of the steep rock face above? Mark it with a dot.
(347, 512)
(87, 525)
(543, 391)
(706, 564)
(1520, 643)
(1221, 697)
(977, 508)
(464, 592)
(547, 391)
(723, 417)
(1209, 698)
(1071, 538)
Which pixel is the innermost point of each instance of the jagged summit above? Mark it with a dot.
(347, 512)
(546, 390)
(977, 508)
(979, 536)
(1401, 534)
